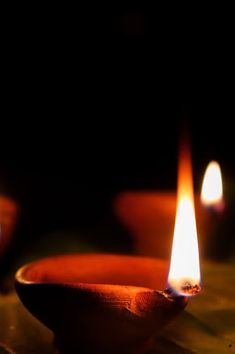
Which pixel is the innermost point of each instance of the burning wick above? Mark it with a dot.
(184, 274)
(212, 187)
(187, 288)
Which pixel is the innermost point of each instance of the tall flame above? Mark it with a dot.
(212, 188)
(184, 274)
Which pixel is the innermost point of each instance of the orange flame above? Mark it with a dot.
(184, 274)
(212, 187)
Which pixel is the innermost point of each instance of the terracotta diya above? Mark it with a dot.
(149, 216)
(9, 211)
(99, 303)
(110, 304)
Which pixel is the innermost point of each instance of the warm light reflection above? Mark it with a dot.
(184, 274)
(212, 188)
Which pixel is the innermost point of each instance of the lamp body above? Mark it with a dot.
(99, 303)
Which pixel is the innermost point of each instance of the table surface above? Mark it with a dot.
(207, 326)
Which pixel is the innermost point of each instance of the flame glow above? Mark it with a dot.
(212, 188)
(184, 274)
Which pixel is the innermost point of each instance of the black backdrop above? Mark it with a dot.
(92, 105)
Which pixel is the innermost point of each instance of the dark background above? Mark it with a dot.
(92, 105)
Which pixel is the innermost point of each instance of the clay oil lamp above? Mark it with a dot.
(213, 205)
(218, 209)
(9, 210)
(102, 304)
(149, 216)
(99, 303)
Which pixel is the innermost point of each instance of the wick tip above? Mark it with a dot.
(189, 290)
(186, 289)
